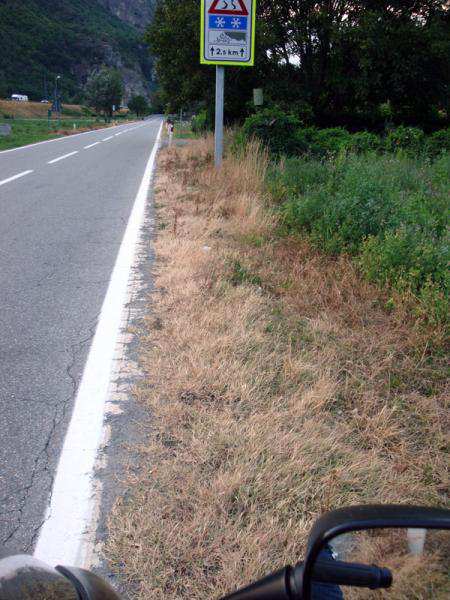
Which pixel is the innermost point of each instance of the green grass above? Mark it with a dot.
(29, 131)
(389, 211)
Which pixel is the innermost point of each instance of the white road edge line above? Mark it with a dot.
(15, 177)
(108, 138)
(64, 537)
(55, 160)
(91, 145)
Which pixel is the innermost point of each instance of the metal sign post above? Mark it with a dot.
(220, 95)
(227, 38)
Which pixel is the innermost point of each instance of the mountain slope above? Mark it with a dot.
(135, 12)
(69, 38)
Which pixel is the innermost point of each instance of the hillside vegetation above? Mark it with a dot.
(68, 38)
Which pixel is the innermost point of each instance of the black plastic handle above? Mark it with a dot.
(286, 584)
(351, 574)
(273, 587)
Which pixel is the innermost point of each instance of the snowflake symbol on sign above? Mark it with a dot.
(236, 23)
(220, 22)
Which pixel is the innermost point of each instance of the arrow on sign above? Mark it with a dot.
(212, 50)
(228, 7)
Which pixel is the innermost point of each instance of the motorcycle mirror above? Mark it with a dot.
(27, 578)
(356, 532)
(88, 585)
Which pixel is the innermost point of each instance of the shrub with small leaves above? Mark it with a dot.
(439, 142)
(409, 139)
(389, 211)
(364, 141)
(276, 129)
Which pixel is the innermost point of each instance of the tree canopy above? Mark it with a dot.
(330, 62)
(104, 89)
(139, 105)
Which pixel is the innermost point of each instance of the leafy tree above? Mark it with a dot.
(139, 106)
(104, 89)
(330, 62)
(174, 39)
(157, 104)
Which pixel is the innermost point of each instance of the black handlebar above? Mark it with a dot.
(351, 574)
(287, 584)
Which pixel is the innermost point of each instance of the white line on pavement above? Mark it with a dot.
(64, 537)
(108, 138)
(55, 160)
(15, 177)
(91, 145)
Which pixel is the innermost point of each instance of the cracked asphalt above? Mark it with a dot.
(60, 230)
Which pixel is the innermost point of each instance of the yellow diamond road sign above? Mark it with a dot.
(228, 32)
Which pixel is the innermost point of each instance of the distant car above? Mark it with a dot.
(19, 97)
(44, 101)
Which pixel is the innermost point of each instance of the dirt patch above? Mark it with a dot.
(280, 388)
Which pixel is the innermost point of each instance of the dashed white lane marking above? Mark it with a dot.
(15, 177)
(55, 160)
(66, 536)
(91, 145)
(108, 138)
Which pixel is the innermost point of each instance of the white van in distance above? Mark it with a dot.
(19, 98)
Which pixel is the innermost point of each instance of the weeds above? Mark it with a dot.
(270, 404)
(389, 211)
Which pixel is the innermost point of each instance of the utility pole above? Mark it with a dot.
(220, 95)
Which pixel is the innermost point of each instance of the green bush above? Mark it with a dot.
(439, 142)
(330, 141)
(276, 129)
(409, 139)
(305, 140)
(294, 176)
(283, 134)
(389, 211)
(409, 256)
(364, 141)
(412, 260)
(200, 123)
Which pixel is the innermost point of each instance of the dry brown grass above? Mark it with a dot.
(30, 110)
(280, 388)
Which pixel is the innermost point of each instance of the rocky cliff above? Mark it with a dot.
(137, 13)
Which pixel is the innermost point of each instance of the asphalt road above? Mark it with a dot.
(64, 207)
